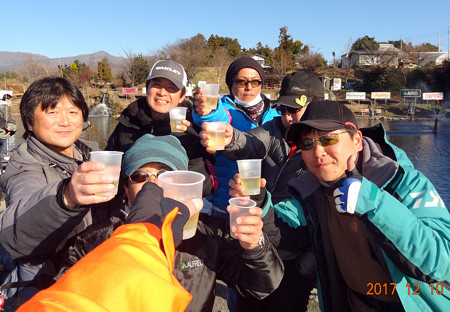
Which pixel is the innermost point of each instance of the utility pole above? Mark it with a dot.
(334, 63)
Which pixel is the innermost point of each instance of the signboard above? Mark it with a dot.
(410, 92)
(337, 82)
(129, 90)
(3, 92)
(355, 95)
(433, 96)
(380, 95)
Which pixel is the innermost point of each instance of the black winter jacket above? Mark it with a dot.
(267, 142)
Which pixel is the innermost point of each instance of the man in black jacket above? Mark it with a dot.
(166, 88)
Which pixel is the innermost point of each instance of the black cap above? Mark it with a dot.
(324, 116)
(291, 101)
(302, 83)
(238, 64)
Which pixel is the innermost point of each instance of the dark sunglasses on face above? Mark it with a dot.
(286, 109)
(140, 176)
(324, 140)
(241, 83)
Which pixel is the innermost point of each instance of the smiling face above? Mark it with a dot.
(162, 94)
(58, 127)
(328, 163)
(248, 93)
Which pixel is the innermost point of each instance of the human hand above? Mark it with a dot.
(184, 126)
(4, 134)
(205, 138)
(86, 183)
(249, 228)
(236, 189)
(346, 195)
(194, 206)
(200, 103)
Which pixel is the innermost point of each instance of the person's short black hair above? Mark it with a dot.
(48, 92)
(6, 96)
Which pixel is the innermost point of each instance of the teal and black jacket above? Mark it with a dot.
(405, 220)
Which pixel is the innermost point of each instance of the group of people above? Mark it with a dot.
(340, 209)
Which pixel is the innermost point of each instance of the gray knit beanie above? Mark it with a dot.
(165, 149)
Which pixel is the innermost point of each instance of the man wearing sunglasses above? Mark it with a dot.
(245, 108)
(375, 221)
(250, 263)
(280, 164)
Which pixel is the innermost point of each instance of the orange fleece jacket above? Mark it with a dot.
(128, 272)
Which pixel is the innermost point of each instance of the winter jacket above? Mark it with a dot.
(128, 272)
(224, 167)
(267, 142)
(36, 222)
(405, 221)
(136, 120)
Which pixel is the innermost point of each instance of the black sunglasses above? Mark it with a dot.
(291, 110)
(324, 140)
(140, 176)
(241, 83)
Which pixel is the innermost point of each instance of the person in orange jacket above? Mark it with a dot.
(127, 272)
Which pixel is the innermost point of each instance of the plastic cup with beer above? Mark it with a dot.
(177, 115)
(211, 92)
(239, 207)
(216, 133)
(112, 161)
(183, 186)
(250, 174)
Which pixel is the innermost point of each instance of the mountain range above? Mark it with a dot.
(15, 60)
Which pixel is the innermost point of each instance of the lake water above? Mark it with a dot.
(428, 151)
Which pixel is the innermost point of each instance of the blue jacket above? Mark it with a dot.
(405, 218)
(224, 167)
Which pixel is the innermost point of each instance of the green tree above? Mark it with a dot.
(104, 71)
(139, 69)
(283, 56)
(365, 43)
(231, 45)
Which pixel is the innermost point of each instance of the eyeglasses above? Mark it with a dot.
(241, 83)
(286, 109)
(140, 176)
(324, 140)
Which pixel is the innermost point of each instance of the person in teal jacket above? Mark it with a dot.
(379, 229)
(245, 108)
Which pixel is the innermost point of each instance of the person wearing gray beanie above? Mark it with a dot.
(165, 149)
(211, 246)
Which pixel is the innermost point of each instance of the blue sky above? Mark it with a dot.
(69, 28)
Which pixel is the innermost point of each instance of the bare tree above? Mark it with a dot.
(191, 53)
(220, 62)
(33, 70)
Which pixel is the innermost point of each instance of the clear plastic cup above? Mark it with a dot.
(250, 174)
(112, 161)
(239, 207)
(216, 133)
(177, 115)
(183, 186)
(211, 92)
